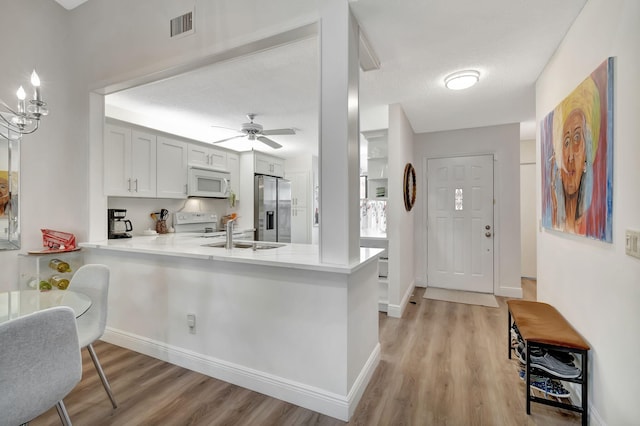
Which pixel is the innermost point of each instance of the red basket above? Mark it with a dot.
(58, 240)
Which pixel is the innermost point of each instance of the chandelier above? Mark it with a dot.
(26, 118)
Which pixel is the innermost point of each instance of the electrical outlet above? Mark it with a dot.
(632, 243)
(191, 323)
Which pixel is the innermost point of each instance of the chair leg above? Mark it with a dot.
(103, 378)
(62, 412)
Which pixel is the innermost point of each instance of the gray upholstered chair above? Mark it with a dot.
(40, 363)
(93, 280)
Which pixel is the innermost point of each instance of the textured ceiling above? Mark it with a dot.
(418, 42)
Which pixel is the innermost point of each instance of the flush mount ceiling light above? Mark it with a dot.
(461, 79)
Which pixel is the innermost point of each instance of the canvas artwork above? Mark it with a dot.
(4, 192)
(577, 159)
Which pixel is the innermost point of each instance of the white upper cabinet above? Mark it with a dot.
(172, 168)
(265, 164)
(233, 165)
(300, 212)
(300, 188)
(129, 162)
(206, 156)
(151, 164)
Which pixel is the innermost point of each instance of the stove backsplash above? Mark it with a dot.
(140, 209)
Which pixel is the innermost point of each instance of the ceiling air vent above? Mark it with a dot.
(182, 25)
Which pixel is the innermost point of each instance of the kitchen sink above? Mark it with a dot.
(255, 245)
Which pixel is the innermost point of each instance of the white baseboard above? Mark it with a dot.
(338, 406)
(396, 311)
(512, 292)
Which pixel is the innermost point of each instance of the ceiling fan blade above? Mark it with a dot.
(223, 127)
(279, 132)
(271, 143)
(228, 139)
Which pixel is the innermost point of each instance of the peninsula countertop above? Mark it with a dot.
(296, 256)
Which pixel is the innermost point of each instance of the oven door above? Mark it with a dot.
(208, 183)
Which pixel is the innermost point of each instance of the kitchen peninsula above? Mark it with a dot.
(277, 321)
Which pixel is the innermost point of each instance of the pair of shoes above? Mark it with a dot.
(565, 357)
(522, 353)
(552, 365)
(547, 385)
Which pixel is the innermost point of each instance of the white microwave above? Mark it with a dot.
(209, 183)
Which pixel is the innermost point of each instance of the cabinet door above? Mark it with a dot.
(218, 159)
(262, 165)
(208, 157)
(277, 167)
(143, 164)
(198, 155)
(300, 186)
(233, 165)
(268, 165)
(300, 225)
(117, 160)
(171, 168)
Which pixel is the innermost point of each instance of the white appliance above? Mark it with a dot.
(201, 224)
(208, 183)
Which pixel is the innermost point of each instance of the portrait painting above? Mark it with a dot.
(4, 192)
(577, 159)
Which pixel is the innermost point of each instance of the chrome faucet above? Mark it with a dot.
(229, 243)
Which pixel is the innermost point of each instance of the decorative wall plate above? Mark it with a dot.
(409, 186)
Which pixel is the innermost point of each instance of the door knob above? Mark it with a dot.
(487, 234)
(487, 227)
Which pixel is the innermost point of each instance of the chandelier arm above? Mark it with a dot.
(6, 126)
(8, 108)
(15, 129)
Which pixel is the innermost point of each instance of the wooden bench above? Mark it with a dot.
(542, 326)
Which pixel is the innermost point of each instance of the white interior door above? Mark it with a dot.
(460, 223)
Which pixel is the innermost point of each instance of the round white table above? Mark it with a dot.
(14, 304)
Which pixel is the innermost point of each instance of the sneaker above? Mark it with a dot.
(521, 354)
(565, 357)
(553, 366)
(549, 386)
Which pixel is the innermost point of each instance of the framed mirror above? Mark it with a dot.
(9, 190)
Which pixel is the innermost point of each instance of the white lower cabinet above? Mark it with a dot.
(172, 168)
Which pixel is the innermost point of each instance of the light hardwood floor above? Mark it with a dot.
(442, 364)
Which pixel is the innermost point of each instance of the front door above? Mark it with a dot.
(460, 223)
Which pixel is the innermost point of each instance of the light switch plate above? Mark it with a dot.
(632, 243)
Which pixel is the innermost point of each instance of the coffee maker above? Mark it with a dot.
(117, 225)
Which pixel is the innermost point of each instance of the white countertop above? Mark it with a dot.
(297, 256)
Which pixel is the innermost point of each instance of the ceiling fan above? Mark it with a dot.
(255, 131)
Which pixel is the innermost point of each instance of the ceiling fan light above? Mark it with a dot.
(462, 79)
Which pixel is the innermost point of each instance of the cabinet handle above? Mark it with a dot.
(136, 182)
(208, 160)
(129, 183)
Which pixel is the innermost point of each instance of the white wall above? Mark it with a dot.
(528, 222)
(503, 143)
(399, 221)
(53, 163)
(594, 284)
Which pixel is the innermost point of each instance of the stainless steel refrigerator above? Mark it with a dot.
(272, 210)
